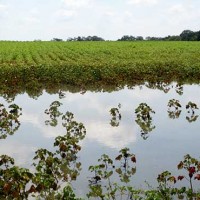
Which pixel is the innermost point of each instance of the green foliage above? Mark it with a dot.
(33, 65)
(67, 194)
(101, 184)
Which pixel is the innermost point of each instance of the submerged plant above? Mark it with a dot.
(192, 167)
(102, 185)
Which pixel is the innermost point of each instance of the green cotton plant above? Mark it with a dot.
(101, 184)
(167, 182)
(44, 64)
(67, 194)
(126, 171)
(165, 185)
(192, 167)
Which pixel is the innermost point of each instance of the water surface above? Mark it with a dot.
(162, 150)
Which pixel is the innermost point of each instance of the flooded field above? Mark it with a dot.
(159, 123)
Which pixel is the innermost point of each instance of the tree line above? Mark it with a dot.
(186, 35)
(79, 38)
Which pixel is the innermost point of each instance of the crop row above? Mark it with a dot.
(101, 61)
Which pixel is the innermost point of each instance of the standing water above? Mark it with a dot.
(113, 121)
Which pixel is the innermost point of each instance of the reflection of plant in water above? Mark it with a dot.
(61, 94)
(174, 108)
(179, 89)
(165, 87)
(77, 129)
(9, 122)
(101, 184)
(144, 119)
(53, 170)
(60, 166)
(54, 113)
(191, 107)
(116, 116)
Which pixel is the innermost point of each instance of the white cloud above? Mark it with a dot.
(112, 137)
(34, 11)
(76, 3)
(183, 16)
(3, 7)
(128, 14)
(3, 10)
(110, 13)
(21, 154)
(66, 13)
(107, 19)
(178, 8)
(32, 20)
(38, 121)
(142, 1)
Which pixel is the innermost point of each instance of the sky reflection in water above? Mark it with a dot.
(164, 148)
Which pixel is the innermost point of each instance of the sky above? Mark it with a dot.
(109, 19)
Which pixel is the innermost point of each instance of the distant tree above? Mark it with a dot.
(188, 35)
(79, 38)
(96, 38)
(56, 40)
(172, 38)
(140, 38)
(154, 38)
(127, 38)
(198, 35)
(70, 39)
(88, 38)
